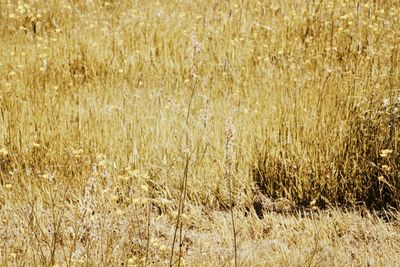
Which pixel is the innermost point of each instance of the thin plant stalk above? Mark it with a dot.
(183, 187)
(229, 169)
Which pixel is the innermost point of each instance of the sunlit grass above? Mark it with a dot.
(105, 104)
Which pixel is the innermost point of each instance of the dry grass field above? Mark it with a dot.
(199, 133)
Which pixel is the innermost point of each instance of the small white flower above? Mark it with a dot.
(386, 102)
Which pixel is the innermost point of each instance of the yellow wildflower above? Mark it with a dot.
(3, 152)
(386, 168)
(385, 152)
